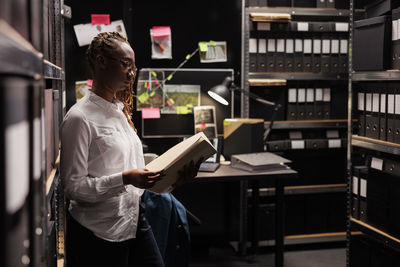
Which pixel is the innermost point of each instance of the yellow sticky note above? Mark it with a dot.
(172, 101)
(143, 97)
(145, 85)
(188, 56)
(154, 73)
(182, 110)
(152, 94)
(213, 43)
(169, 77)
(203, 46)
(227, 123)
(189, 105)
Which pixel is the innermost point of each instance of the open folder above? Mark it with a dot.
(263, 161)
(172, 161)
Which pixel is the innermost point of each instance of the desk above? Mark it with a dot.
(276, 178)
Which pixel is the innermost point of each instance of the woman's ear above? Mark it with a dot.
(101, 62)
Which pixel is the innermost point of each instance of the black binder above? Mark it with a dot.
(375, 114)
(280, 55)
(319, 104)
(298, 55)
(289, 55)
(355, 190)
(301, 103)
(292, 104)
(327, 103)
(361, 112)
(253, 54)
(335, 55)
(382, 115)
(307, 53)
(309, 110)
(343, 58)
(362, 196)
(326, 51)
(330, 3)
(390, 115)
(321, 3)
(271, 50)
(317, 45)
(395, 39)
(368, 112)
(262, 55)
(397, 116)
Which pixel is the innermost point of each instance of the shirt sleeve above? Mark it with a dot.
(78, 185)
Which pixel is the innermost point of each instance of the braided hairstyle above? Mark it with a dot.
(103, 44)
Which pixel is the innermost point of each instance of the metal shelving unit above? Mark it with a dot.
(377, 145)
(298, 76)
(389, 75)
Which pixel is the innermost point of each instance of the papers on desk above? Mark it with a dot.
(263, 161)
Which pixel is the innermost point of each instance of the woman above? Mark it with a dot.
(102, 166)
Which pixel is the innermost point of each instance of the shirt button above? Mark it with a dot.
(178, 247)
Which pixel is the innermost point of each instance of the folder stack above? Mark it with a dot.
(318, 47)
(309, 103)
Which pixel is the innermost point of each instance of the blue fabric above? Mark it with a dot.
(167, 217)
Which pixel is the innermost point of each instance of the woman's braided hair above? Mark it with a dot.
(103, 44)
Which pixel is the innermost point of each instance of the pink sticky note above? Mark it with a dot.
(203, 126)
(151, 113)
(89, 82)
(156, 81)
(100, 19)
(161, 31)
(169, 102)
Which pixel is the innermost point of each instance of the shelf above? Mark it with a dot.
(392, 75)
(302, 190)
(266, 82)
(298, 76)
(293, 11)
(308, 124)
(379, 145)
(51, 71)
(377, 234)
(17, 55)
(270, 17)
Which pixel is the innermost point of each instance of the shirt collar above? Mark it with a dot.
(115, 105)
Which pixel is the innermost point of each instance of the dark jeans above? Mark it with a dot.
(84, 249)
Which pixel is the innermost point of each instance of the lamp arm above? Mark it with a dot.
(253, 96)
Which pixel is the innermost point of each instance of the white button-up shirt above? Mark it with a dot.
(98, 144)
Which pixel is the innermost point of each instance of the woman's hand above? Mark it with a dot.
(141, 178)
(188, 172)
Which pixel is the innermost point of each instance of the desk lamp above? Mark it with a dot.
(222, 92)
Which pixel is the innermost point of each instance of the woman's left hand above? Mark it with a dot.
(188, 172)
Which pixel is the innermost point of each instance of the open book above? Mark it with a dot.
(178, 156)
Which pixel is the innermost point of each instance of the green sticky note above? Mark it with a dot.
(172, 101)
(182, 110)
(154, 73)
(188, 56)
(152, 94)
(203, 46)
(145, 85)
(143, 97)
(227, 123)
(213, 43)
(169, 77)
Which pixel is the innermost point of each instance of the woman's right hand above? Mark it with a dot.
(141, 178)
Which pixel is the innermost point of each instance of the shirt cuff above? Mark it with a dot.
(117, 184)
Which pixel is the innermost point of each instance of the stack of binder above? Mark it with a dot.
(379, 111)
(309, 103)
(299, 47)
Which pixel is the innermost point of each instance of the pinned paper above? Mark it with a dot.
(98, 19)
(143, 97)
(151, 113)
(89, 82)
(161, 31)
(86, 32)
(203, 46)
(183, 110)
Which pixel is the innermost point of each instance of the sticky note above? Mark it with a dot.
(169, 77)
(188, 56)
(169, 102)
(89, 82)
(152, 94)
(189, 105)
(100, 19)
(161, 31)
(182, 110)
(172, 101)
(148, 86)
(156, 81)
(151, 113)
(213, 43)
(203, 46)
(145, 85)
(226, 123)
(154, 73)
(202, 125)
(143, 97)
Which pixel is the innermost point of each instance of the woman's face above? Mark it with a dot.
(119, 67)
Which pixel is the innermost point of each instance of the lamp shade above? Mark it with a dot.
(221, 92)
